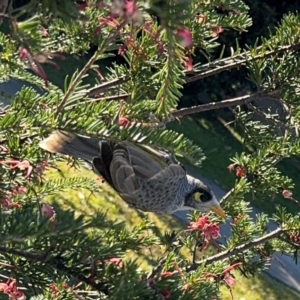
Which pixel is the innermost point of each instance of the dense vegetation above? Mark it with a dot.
(60, 251)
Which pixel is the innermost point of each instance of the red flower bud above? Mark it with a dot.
(216, 30)
(287, 194)
(240, 172)
(188, 63)
(116, 261)
(23, 53)
(184, 36)
(47, 210)
(124, 122)
(166, 294)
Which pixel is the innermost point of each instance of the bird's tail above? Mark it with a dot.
(71, 144)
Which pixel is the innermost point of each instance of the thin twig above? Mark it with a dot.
(3, 7)
(109, 98)
(265, 117)
(105, 86)
(57, 265)
(236, 250)
(217, 105)
(230, 63)
(226, 196)
(79, 76)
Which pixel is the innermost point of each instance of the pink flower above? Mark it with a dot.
(166, 274)
(19, 190)
(126, 9)
(34, 61)
(8, 204)
(287, 194)
(229, 280)
(211, 231)
(188, 63)
(216, 30)
(240, 172)
(22, 165)
(227, 277)
(3, 149)
(47, 210)
(124, 122)
(199, 224)
(10, 288)
(295, 237)
(184, 36)
(54, 290)
(116, 261)
(122, 50)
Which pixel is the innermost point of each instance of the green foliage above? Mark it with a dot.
(65, 254)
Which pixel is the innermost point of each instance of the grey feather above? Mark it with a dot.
(146, 178)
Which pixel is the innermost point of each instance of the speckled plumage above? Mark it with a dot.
(146, 178)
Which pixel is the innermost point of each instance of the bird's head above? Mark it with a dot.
(203, 199)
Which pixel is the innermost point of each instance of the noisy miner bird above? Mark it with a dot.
(147, 179)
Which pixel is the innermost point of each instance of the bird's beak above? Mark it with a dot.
(217, 209)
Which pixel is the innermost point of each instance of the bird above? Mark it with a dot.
(146, 178)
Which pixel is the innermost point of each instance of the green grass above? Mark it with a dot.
(261, 287)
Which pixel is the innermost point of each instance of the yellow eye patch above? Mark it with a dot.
(197, 196)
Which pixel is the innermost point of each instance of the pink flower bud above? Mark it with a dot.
(188, 63)
(116, 261)
(23, 53)
(184, 36)
(124, 122)
(216, 30)
(287, 194)
(47, 210)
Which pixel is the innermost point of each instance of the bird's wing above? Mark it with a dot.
(132, 165)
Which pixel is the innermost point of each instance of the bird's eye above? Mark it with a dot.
(197, 196)
(205, 197)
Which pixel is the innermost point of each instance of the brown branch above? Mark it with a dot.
(3, 8)
(230, 63)
(218, 105)
(101, 287)
(105, 86)
(236, 250)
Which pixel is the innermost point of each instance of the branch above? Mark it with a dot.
(230, 63)
(226, 196)
(109, 98)
(218, 105)
(79, 76)
(101, 287)
(105, 86)
(234, 251)
(3, 7)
